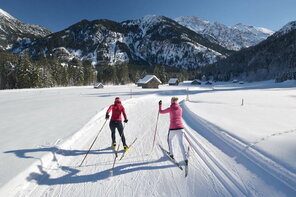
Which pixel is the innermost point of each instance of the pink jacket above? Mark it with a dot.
(175, 115)
(117, 109)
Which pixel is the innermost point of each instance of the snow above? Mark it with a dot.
(236, 150)
(233, 38)
(64, 64)
(5, 14)
(147, 78)
(264, 30)
(173, 80)
(146, 22)
(286, 29)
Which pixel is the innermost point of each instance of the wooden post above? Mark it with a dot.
(187, 97)
(131, 93)
(242, 102)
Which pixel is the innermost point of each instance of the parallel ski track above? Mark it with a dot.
(230, 183)
(274, 169)
(266, 164)
(115, 184)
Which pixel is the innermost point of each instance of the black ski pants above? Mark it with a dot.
(117, 124)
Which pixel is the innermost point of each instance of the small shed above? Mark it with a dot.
(209, 83)
(196, 82)
(173, 81)
(98, 85)
(149, 81)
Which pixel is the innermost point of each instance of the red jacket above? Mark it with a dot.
(175, 115)
(117, 109)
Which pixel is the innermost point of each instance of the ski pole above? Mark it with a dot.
(93, 143)
(190, 144)
(155, 131)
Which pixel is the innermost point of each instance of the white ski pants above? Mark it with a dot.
(179, 133)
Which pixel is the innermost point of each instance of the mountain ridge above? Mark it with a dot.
(273, 58)
(149, 40)
(235, 37)
(13, 30)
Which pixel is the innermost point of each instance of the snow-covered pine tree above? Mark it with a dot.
(23, 72)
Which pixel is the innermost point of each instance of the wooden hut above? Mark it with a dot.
(209, 83)
(139, 82)
(173, 82)
(98, 85)
(196, 82)
(149, 81)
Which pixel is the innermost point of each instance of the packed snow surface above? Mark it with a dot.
(241, 139)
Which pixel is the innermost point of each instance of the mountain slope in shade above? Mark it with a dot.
(13, 30)
(286, 29)
(150, 40)
(233, 38)
(270, 59)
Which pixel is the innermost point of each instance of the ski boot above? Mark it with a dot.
(113, 145)
(126, 148)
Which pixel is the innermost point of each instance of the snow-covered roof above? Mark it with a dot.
(147, 78)
(173, 80)
(98, 85)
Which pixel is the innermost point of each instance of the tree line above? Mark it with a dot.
(20, 71)
(130, 73)
(23, 72)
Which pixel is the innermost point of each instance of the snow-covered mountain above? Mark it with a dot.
(233, 38)
(12, 30)
(273, 58)
(286, 29)
(150, 40)
(160, 40)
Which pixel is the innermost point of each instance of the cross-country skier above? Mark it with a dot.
(116, 121)
(176, 127)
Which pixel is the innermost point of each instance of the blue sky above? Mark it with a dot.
(57, 15)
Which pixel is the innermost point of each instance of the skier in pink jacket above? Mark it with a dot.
(116, 121)
(176, 127)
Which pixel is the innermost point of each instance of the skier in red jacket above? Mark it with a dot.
(116, 121)
(176, 127)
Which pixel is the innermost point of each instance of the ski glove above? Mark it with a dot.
(125, 121)
(160, 102)
(107, 116)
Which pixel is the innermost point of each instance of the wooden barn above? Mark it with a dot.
(173, 82)
(209, 83)
(196, 82)
(149, 81)
(98, 85)
(139, 82)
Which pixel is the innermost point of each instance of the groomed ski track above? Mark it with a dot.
(215, 167)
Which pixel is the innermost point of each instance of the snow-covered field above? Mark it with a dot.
(236, 149)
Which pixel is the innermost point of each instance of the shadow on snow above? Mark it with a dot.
(22, 153)
(204, 128)
(72, 177)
